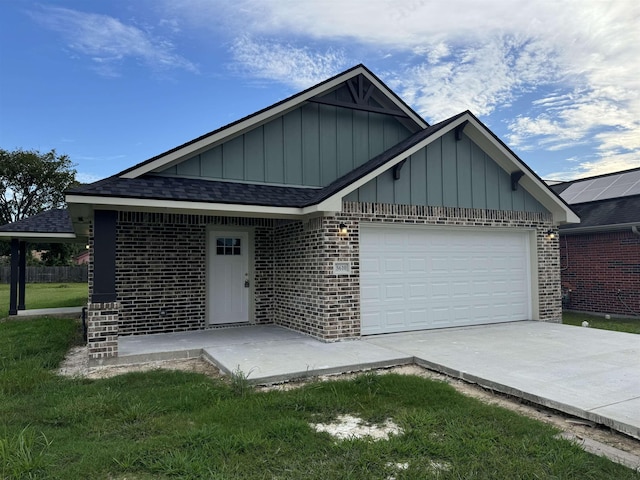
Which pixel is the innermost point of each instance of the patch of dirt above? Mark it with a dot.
(348, 426)
(76, 364)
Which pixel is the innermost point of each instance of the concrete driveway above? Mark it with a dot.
(589, 373)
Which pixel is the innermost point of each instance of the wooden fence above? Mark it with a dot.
(77, 273)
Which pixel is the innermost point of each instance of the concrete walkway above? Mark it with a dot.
(589, 373)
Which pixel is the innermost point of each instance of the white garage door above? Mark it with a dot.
(414, 278)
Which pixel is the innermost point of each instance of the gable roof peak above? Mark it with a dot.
(262, 116)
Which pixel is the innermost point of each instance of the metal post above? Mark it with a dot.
(13, 288)
(22, 274)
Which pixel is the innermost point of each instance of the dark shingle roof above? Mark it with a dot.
(52, 221)
(609, 212)
(154, 187)
(560, 187)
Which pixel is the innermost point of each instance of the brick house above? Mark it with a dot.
(337, 212)
(600, 257)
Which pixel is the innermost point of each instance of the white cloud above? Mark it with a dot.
(477, 78)
(107, 41)
(457, 55)
(298, 67)
(593, 168)
(84, 177)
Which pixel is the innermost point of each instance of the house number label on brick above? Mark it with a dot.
(342, 268)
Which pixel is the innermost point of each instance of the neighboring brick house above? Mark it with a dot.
(600, 257)
(337, 212)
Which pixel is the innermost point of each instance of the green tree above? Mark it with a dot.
(32, 182)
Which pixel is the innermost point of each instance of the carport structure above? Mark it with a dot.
(52, 226)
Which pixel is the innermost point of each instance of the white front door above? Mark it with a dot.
(229, 282)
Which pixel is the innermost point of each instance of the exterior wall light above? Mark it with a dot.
(551, 234)
(342, 229)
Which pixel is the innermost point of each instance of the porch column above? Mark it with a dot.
(13, 284)
(22, 274)
(102, 324)
(104, 256)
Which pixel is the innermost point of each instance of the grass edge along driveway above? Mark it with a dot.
(165, 424)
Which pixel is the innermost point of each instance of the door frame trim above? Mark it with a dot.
(212, 232)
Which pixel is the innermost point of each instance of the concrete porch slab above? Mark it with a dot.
(265, 353)
(40, 312)
(277, 361)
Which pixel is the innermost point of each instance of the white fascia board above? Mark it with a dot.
(119, 203)
(336, 199)
(561, 213)
(332, 204)
(38, 235)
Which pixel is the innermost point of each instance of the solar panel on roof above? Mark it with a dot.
(611, 186)
(634, 189)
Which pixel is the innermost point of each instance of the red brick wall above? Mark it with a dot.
(601, 271)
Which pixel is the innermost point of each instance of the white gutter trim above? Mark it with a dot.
(204, 207)
(36, 235)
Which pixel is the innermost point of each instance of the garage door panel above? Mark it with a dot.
(370, 293)
(393, 265)
(417, 265)
(418, 292)
(370, 265)
(439, 264)
(416, 278)
(394, 292)
(418, 317)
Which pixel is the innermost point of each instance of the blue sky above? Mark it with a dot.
(112, 83)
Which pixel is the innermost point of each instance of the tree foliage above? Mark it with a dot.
(32, 182)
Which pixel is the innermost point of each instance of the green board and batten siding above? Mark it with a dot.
(448, 173)
(310, 146)
(316, 144)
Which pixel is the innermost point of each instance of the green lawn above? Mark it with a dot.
(177, 425)
(47, 295)
(629, 325)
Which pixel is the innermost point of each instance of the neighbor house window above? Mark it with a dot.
(228, 246)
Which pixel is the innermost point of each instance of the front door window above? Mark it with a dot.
(228, 246)
(229, 284)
